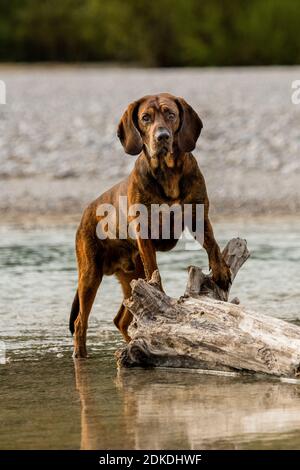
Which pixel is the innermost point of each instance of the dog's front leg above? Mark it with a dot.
(148, 257)
(220, 270)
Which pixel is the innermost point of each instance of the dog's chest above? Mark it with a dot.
(169, 182)
(171, 186)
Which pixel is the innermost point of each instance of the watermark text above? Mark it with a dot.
(155, 221)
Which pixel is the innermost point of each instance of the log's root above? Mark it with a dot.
(235, 254)
(134, 354)
(202, 330)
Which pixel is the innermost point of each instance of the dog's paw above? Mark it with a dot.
(223, 278)
(159, 286)
(79, 353)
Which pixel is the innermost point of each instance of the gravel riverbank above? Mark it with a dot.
(59, 150)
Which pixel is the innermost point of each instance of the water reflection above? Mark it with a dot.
(167, 409)
(41, 408)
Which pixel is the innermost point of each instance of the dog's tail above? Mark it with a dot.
(74, 312)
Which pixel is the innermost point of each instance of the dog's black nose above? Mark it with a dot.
(162, 134)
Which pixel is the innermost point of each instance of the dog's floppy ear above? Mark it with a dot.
(128, 132)
(190, 126)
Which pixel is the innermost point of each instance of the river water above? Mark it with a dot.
(48, 401)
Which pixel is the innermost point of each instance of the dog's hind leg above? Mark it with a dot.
(89, 278)
(123, 318)
(74, 312)
(119, 321)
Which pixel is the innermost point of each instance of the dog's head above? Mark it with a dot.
(161, 124)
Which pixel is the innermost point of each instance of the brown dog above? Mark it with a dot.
(163, 130)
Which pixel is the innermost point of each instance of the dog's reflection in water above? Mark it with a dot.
(169, 409)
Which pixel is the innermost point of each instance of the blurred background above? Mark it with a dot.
(158, 33)
(72, 66)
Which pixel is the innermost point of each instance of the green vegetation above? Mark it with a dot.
(151, 33)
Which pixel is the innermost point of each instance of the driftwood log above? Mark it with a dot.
(202, 330)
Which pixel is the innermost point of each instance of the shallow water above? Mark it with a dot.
(47, 401)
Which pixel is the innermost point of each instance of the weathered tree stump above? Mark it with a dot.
(203, 330)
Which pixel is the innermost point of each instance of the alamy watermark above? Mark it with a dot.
(155, 222)
(2, 353)
(296, 94)
(2, 92)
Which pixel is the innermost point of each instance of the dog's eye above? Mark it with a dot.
(146, 118)
(171, 116)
